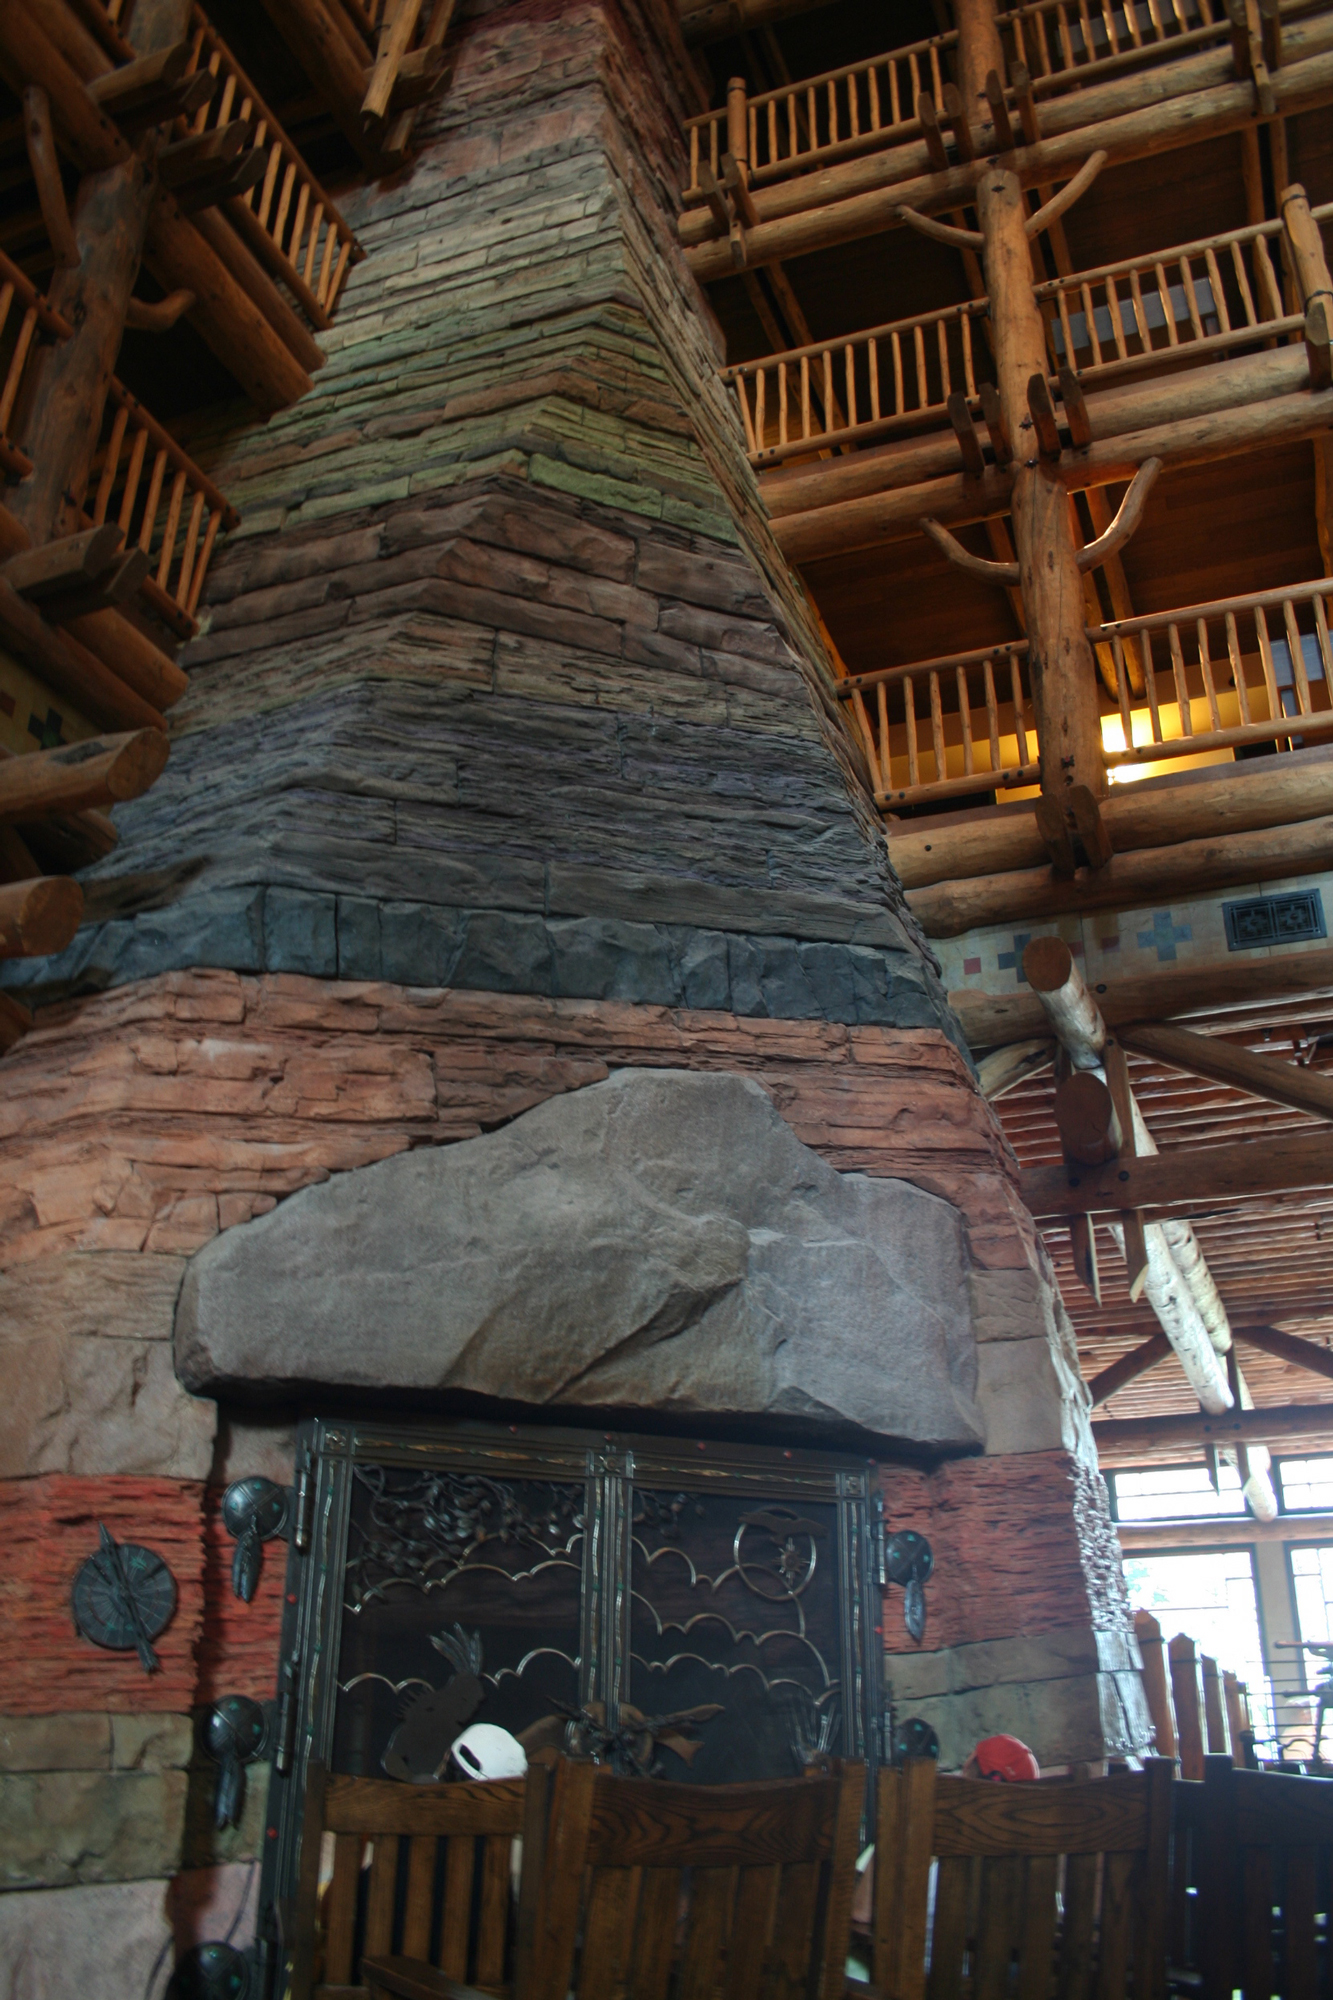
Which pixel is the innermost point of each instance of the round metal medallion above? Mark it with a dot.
(99, 1598)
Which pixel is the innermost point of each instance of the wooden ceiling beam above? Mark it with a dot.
(38, 917)
(1129, 1367)
(1197, 1427)
(1288, 1347)
(993, 1019)
(1222, 1062)
(1187, 1175)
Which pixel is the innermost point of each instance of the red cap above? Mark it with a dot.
(1004, 1757)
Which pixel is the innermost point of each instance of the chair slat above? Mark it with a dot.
(708, 1927)
(420, 1892)
(458, 1867)
(655, 1936)
(751, 1927)
(1300, 1905)
(340, 1909)
(608, 1933)
(949, 1938)
(494, 1913)
(1117, 1922)
(998, 1924)
(380, 1901)
(1076, 1937)
(785, 1978)
(1036, 1949)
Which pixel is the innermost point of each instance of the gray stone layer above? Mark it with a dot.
(659, 1241)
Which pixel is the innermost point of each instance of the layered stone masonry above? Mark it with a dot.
(505, 584)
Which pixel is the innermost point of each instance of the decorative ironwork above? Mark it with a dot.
(424, 1526)
(913, 1738)
(235, 1733)
(212, 1971)
(123, 1596)
(255, 1511)
(629, 1745)
(792, 1569)
(662, 1511)
(418, 1750)
(909, 1560)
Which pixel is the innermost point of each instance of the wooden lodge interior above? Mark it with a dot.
(1023, 319)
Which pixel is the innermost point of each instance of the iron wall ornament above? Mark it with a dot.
(254, 1511)
(235, 1731)
(123, 1597)
(212, 1971)
(913, 1738)
(909, 1560)
(659, 1602)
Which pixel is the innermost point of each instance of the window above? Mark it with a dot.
(1211, 1595)
(1305, 1486)
(1175, 1493)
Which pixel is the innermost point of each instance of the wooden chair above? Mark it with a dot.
(1265, 1894)
(419, 1869)
(1042, 1890)
(707, 1892)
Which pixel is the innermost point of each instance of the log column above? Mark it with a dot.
(66, 386)
(1064, 675)
(980, 51)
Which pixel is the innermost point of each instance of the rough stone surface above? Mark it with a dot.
(59, 1827)
(103, 1941)
(74, 1742)
(85, 1352)
(659, 1241)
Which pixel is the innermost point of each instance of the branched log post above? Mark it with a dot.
(1064, 674)
(1178, 1284)
(65, 388)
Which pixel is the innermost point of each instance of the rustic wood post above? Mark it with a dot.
(1064, 674)
(65, 388)
(1305, 249)
(1187, 1701)
(980, 53)
(738, 125)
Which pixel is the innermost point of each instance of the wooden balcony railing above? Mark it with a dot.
(1208, 296)
(24, 313)
(942, 729)
(287, 220)
(833, 116)
(1202, 298)
(165, 505)
(1217, 676)
(1065, 44)
(850, 392)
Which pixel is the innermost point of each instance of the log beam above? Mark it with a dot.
(77, 776)
(1128, 1368)
(1280, 792)
(946, 909)
(1289, 1347)
(38, 917)
(1222, 1062)
(1182, 1178)
(993, 1020)
(1197, 1427)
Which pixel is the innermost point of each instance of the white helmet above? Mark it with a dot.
(483, 1751)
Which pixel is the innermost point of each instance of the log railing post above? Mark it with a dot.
(1063, 672)
(738, 126)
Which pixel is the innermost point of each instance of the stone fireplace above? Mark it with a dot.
(502, 1007)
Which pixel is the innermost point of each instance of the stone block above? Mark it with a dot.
(85, 1351)
(419, 943)
(661, 1240)
(105, 1941)
(1057, 1655)
(59, 1827)
(1027, 1399)
(613, 961)
(300, 933)
(501, 953)
(702, 968)
(358, 938)
(55, 1742)
(1075, 1719)
(151, 1742)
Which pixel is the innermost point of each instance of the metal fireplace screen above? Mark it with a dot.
(703, 1612)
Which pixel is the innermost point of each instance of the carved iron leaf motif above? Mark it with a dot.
(424, 1526)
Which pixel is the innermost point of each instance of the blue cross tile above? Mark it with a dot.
(1164, 935)
(1012, 961)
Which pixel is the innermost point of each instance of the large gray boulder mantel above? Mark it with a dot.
(662, 1241)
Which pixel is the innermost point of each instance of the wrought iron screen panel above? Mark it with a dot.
(704, 1611)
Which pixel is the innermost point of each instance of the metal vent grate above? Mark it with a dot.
(1267, 920)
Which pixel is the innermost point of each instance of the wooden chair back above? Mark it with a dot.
(1265, 1890)
(703, 1892)
(1041, 1890)
(420, 1870)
